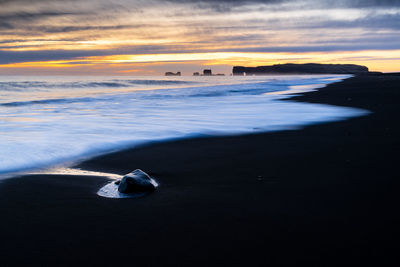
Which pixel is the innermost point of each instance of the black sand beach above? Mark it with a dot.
(327, 195)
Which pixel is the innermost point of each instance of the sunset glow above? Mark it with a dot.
(125, 37)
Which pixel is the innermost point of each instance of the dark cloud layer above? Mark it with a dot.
(327, 3)
(7, 57)
(58, 8)
(12, 20)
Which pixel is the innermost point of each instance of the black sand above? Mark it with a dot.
(327, 195)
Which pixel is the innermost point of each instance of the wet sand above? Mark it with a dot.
(326, 195)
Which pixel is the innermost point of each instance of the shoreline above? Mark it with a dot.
(295, 96)
(68, 163)
(323, 195)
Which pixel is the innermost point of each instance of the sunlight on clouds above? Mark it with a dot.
(215, 34)
(390, 59)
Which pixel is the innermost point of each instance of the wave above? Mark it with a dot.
(158, 82)
(87, 124)
(173, 93)
(114, 83)
(47, 101)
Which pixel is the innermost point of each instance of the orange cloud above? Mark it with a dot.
(375, 60)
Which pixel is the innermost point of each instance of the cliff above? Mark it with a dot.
(310, 68)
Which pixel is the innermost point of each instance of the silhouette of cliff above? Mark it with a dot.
(310, 68)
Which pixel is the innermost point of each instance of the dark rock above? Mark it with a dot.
(173, 73)
(309, 68)
(207, 73)
(117, 182)
(136, 182)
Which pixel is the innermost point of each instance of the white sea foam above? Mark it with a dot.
(51, 120)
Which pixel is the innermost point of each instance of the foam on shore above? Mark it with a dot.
(44, 123)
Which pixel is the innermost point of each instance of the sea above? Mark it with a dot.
(60, 120)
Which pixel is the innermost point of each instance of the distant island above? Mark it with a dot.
(309, 68)
(207, 72)
(173, 73)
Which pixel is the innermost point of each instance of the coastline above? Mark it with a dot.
(323, 195)
(100, 124)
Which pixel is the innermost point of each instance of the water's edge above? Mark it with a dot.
(70, 167)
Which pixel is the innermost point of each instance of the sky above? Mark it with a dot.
(150, 37)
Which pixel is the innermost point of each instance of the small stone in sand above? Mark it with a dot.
(136, 182)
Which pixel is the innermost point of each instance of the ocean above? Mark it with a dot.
(47, 121)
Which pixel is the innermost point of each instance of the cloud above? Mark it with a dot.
(72, 29)
(66, 29)
(11, 20)
(8, 57)
(327, 3)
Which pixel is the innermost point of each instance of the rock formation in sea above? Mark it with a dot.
(309, 68)
(173, 73)
(207, 72)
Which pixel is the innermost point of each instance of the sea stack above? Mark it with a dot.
(207, 72)
(173, 73)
